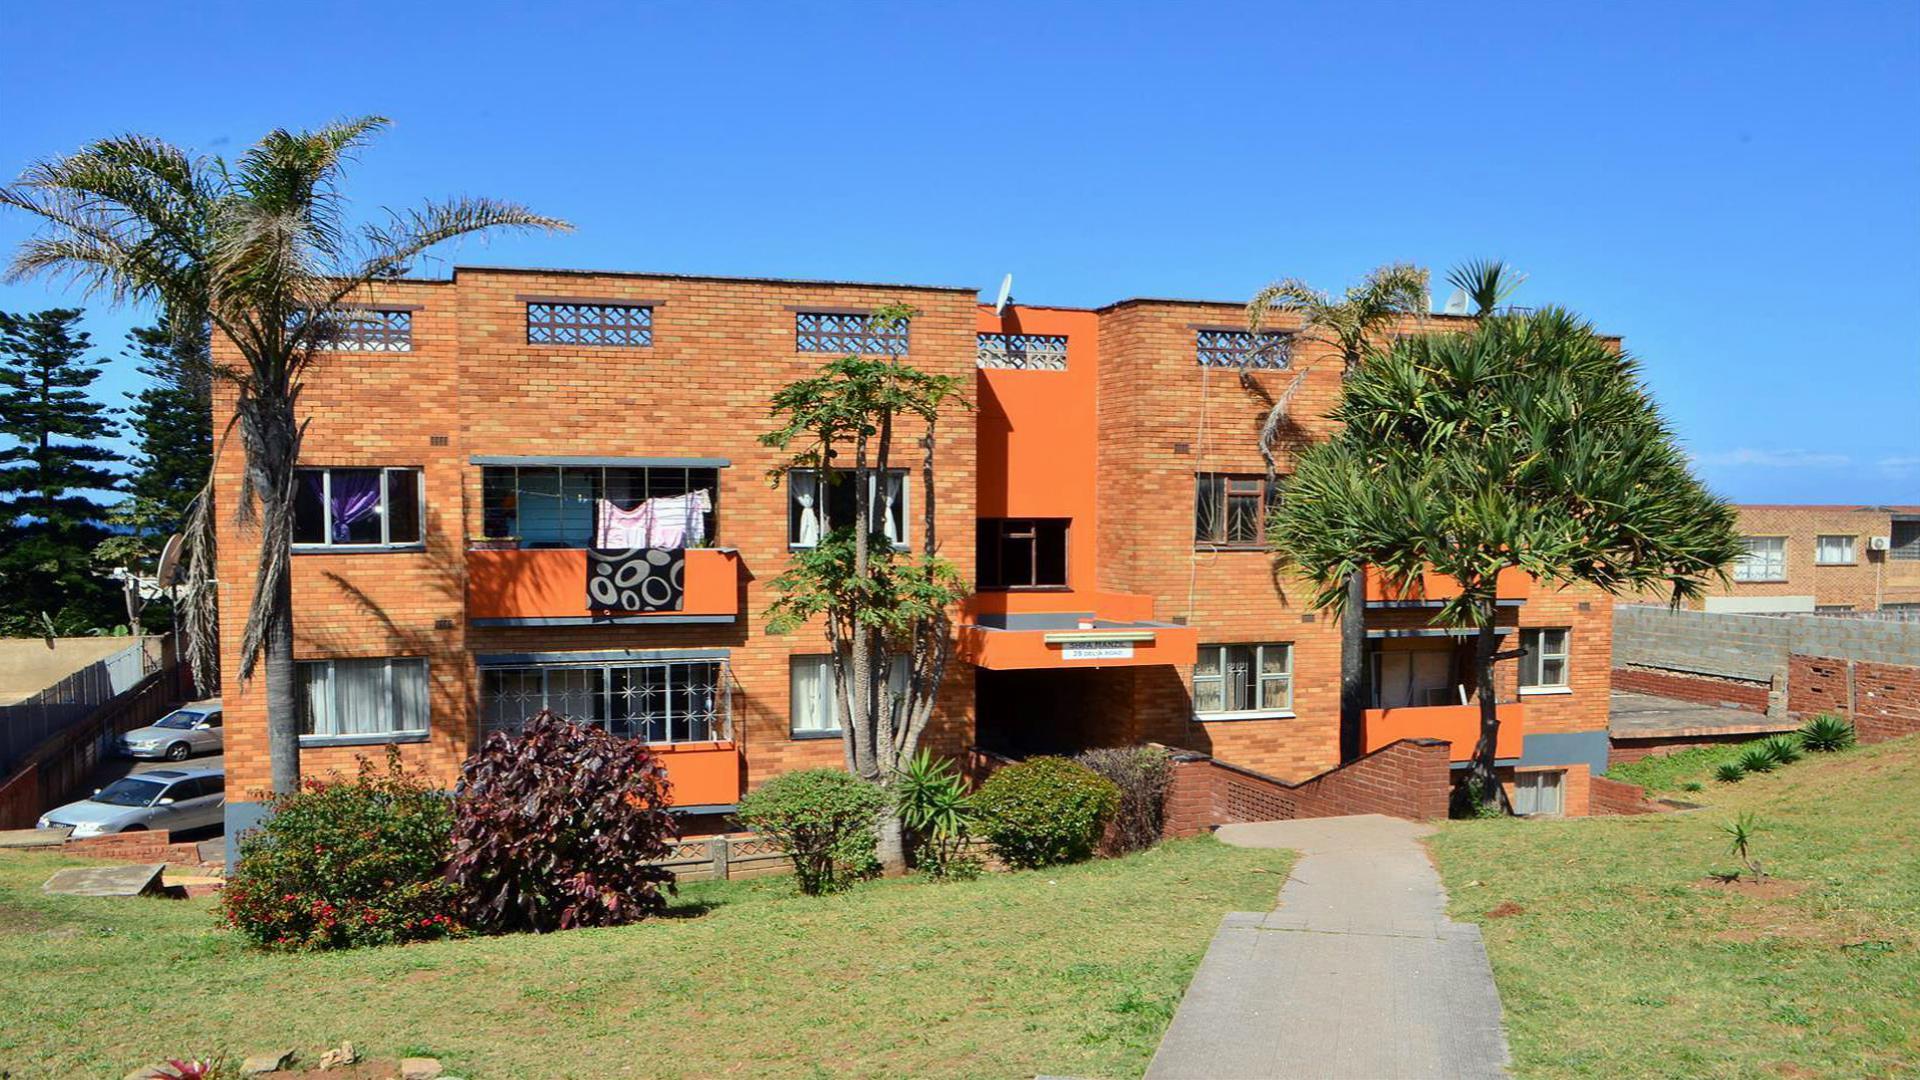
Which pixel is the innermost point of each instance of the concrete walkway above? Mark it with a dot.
(1358, 973)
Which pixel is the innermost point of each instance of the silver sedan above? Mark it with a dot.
(177, 736)
(172, 799)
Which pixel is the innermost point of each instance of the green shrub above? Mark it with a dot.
(1755, 759)
(1783, 749)
(824, 818)
(1729, 772)
(1826, 733)
(935, 808)
(1142, 775)
(556, 827)
(1045, 810)
(343, 863)
(1693, 785)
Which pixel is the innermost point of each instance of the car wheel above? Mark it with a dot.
(178, 751)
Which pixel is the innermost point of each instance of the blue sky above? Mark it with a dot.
(1734, 188)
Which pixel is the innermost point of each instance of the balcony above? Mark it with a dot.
(548, 587)
(1432, 590)
(1119, 632)
(704, 775)
(1458, 724)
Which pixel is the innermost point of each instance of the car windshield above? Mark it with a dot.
(130, 792)
(179, 719)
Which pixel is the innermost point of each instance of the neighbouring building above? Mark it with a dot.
(472, 438)
(1824, 558)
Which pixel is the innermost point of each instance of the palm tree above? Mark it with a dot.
(1527, 444)
(1353, 325)
(1487, 282)
(261, 246)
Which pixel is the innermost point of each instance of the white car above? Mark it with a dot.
(177, 736)
(172, 799)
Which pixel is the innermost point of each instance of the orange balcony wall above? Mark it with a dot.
(549, 586)
(1458, 724)
(1432, 587)
(702, 774)
(1009, 650)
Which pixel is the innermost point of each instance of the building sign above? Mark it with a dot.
(1097, 650)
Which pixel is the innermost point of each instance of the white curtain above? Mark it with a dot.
(806, 495)
(316, 700)
(895, 484)
(812, 691)
(361, 702)
(1536, 793)
(409, 695)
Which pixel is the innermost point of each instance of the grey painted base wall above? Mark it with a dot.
(1589, 748)
(241, 816)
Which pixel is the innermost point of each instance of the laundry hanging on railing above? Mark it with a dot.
(673, 521)
(636, 579)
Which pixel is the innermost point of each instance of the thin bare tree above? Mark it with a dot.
(261, 245)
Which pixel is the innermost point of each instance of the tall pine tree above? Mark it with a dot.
(49, 520)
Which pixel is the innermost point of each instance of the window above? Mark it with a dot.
(1415, 677)
(847, 332)
(544, 506)
(1022, 553)
(1905, 541)
(1229, 511)
(656, 702)
(1538, 792)
(362, 698)
(618, 325)
(1237, 348)
(1022, 352)
(366, 330)
(357, 507)
(1832, 550)
(1545, 664)
(887, 505)
(815, 704)
(1765, 559)
(1237, 679)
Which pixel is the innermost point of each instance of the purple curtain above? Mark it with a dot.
(356, 494)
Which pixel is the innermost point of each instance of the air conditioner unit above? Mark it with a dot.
(1878, 543)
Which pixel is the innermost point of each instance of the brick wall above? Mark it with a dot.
(1618, 797)
(1624, 751)
(1870, 580)
(146, 846)
(1409, 779)
(1883, 700)
(1698, 689)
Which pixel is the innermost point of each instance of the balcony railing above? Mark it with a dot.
(548, 587)
(1431, 588)
(1458, 724)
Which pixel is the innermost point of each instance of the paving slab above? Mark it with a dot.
(123, 880)
(34, 838)
(1357, 973)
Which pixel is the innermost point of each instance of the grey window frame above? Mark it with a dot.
(896, 676)
(597, 488)
(1255, 683)
(1853, 549)
(1537, 655)
(1744, 566)
(719, 721)
(388, 689)
(904, 508)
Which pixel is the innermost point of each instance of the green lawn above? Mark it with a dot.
(1073, 971)
(1625, 960)
(1673, 772)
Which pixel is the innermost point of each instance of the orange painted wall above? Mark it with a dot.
(1458, 724)
(1038, 439)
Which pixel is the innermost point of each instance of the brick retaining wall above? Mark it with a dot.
(1716, 691)
(1408, 779)
(1626, 751)
(1618, 797)
(1883, 700)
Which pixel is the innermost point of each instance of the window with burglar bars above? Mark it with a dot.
(660, 702)
(1229, 511)
(847, 333)
(1238, 348)
(617, 325)
(1023, 352)
(1235, 679)
(368, 330)
(1905, 543)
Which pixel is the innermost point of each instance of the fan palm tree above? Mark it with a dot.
(260, 247)
(1352, 325)
(1487, 282)
(1528, 444)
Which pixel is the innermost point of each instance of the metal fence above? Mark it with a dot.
(26, 724)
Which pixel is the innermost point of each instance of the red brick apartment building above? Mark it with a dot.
(473, 436)
(1824, 558)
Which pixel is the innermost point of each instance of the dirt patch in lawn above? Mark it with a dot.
(1506, 909)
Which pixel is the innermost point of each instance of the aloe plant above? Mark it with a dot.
(1741, 832)
(1826, 733)
(1755, 759)
(1729, 773)
(1783, 749)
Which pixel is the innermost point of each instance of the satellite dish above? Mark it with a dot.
(1457, 303)
(169, 561)
(1006, 295)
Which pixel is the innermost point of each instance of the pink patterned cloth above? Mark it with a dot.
(675, 521)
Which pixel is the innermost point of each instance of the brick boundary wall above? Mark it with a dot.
(1883, 700)
(1720, 692)
(140, 847)
(1407, 779)
(1627, 751)
(1618, 797)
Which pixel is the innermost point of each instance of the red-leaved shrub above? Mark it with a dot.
(553, 828)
